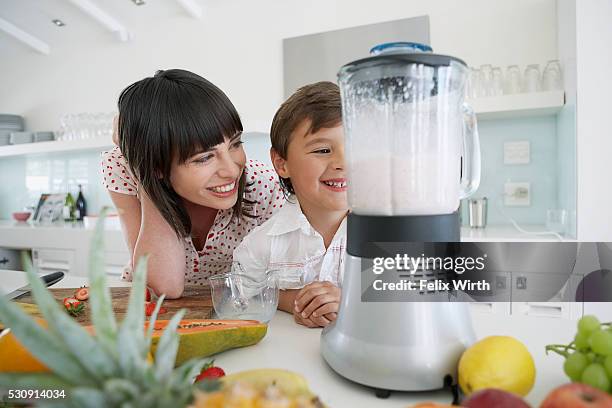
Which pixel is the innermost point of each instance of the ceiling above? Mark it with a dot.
(34, 17)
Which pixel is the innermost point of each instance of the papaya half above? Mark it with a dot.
(205, 337)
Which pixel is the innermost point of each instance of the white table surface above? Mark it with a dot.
(293, 347)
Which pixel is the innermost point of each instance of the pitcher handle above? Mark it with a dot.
(470, 165)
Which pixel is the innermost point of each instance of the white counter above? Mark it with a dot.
(25, 235)
(296, 348)
(293, 347)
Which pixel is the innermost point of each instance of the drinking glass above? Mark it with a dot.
(513, 79)
(486, 80)
(497, 83)
(552, 78)
(473, 84)
(556, 220)
(532, 78)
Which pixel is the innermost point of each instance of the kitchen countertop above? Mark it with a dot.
(22, 235)
(293, 347)
(27, 235)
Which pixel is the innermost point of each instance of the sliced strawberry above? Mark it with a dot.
(82, 293)
(210, 371)
(150, 307)
(147, 295)
(73, 306)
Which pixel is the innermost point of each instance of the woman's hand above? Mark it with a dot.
(316, 305)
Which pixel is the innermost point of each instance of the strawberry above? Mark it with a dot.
(82, 293)
(210, 371)
(74, 306)
(150, 307)
(147, 295)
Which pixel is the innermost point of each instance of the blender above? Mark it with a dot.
(412, 151)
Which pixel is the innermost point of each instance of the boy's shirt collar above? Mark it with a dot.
(290, 218)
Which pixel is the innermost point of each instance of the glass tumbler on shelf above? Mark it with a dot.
(513, 80)
(552, 78)
(485, 80)
(497, 83)
(531, 80)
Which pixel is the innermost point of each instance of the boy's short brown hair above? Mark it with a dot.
(318, 103)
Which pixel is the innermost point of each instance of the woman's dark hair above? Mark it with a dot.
(172, 116)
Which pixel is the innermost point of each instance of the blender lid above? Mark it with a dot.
(399, 46)
(425, 58)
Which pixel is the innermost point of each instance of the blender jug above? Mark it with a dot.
(411, 141)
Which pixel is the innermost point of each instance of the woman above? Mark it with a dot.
(186, 193)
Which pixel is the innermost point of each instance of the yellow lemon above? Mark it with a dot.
(500, 362)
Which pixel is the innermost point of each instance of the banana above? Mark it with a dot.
(26, 307)
(291, 384)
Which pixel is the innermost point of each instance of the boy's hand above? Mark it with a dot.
(304, 322)
(317, 303)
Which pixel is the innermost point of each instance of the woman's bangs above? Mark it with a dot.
(201, 124)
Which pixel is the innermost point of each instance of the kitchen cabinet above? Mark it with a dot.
(65, 247)
(48, 260)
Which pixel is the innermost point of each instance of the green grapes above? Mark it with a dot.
(608, 366)
(595, 375)
(574, 365)
(601, 342)
(581, 341)
(588, 359)
(588, 324)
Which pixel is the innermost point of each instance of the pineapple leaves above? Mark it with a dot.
(132, 354)
(100, 299)
(77, 340)
(152, 321)
(40, 381)
(165, 355)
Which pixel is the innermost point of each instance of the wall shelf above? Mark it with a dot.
(518, 105)
(56, 146)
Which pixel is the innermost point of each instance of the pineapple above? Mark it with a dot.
(110, 369)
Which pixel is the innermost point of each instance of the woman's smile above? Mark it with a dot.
(224, 190)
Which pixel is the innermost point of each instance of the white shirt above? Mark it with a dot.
(288, 244)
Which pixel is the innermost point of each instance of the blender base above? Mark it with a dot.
(448, 383)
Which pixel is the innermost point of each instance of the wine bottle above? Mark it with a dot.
(69, 208)
(81, 205)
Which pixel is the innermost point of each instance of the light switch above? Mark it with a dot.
(517, 152)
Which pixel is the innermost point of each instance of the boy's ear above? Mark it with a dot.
(280, 164)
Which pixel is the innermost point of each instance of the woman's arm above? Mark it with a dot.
(166, 266)
(129, 215)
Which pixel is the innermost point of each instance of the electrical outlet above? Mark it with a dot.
(517, 152)
(517, 194)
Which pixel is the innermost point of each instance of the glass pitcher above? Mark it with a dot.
(236, 295)
(411, 142)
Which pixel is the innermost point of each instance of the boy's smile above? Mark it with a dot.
(338, 184)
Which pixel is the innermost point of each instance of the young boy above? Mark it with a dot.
(305, 240)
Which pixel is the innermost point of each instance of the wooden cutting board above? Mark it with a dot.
(196, 299)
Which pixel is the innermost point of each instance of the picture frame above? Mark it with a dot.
(50, 208)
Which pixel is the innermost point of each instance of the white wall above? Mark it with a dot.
(594, 110)
(238, 46)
